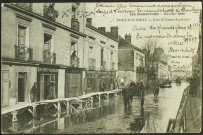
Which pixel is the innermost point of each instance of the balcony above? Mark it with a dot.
(26, 6)
(75, 62)
(140, 69)
(103, 65)
(50, 13)
(112, 66)
(75, 24)
(49, 57)
(23, 53)
(92, 64)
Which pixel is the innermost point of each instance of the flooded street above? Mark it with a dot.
(110, 117)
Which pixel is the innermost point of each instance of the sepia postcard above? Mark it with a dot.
(101, 67)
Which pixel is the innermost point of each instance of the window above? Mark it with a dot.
(47, 42)
(102, 55)
(112, 55)
(21, 35)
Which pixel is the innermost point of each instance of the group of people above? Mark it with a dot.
(131, 90)
(51, 92)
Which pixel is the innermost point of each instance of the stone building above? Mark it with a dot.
(47, 42)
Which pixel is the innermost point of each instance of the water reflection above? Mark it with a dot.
(108, 116)
(139, 121)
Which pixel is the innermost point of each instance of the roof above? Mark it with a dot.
(123, 44)
(108, 35)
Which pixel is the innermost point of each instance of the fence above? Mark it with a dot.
(177, 125)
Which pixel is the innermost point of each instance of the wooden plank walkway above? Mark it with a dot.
(56, 103)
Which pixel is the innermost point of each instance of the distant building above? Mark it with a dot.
(162, 69)
(183, 74)
(131, 60)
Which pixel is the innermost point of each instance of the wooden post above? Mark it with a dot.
(59, 108)
(34, 111)
(99, 100)
(107, 95)
(91, 101)
(67, 108)
(14, 116)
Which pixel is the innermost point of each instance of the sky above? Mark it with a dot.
(145, 19)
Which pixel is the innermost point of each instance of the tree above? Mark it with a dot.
(152, 56)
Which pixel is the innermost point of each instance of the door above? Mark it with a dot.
(73, 85)
(5, 88)
(46, 85)
(21, 87)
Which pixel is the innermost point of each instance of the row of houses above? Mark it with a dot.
(52, 43)
(40, 45)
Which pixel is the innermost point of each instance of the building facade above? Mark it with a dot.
(101, 58)
(51, 43)
(131, 61)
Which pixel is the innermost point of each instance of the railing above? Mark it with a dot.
(23, 53)
(75, 62)
(50, 13)
(49, 57)
(75, 24)
(92, 64)
(103, 65)
(174, 125)
(140, 69)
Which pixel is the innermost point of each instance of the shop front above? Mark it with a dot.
(91, 82)
(108, 79)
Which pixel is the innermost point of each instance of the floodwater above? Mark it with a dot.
(110, 117)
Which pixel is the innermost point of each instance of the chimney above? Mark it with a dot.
(102, 29)
(128, 37)
(114, 31)
(89, 21)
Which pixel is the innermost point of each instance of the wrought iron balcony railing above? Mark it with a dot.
(140, 69)
(75, 62)
(23, 53)
(49, 57)
(50, 13)
(103, 65)
(75, 24)
(92, 64)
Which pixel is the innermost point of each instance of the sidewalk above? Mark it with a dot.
(193, 115)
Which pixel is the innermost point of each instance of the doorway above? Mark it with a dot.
(46, 85)
(21, 86)
(5, 88)
(73, 85)
(45, 80)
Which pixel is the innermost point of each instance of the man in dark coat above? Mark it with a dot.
(102, 84)
(33, 93)
(125, 95)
